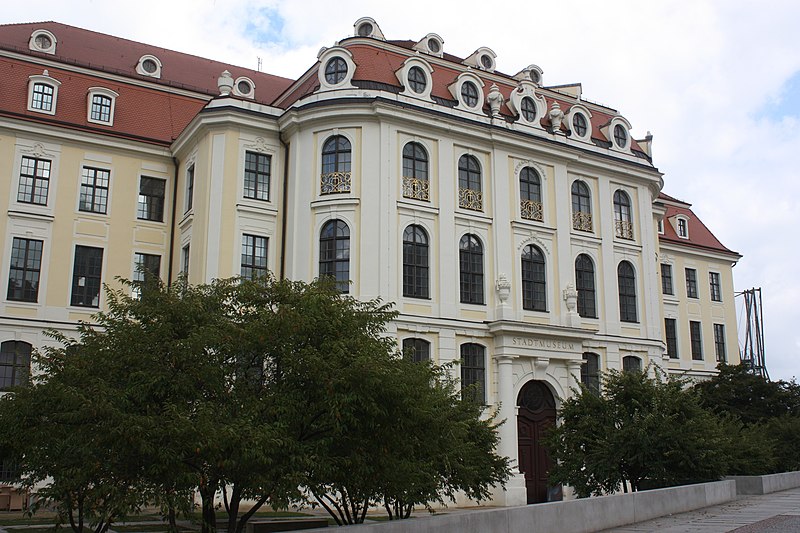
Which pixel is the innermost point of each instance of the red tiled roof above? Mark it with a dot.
(699, 235)
(120, 56)
(378, 64)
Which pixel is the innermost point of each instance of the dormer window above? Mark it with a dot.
(42, 41)
(469, 94)
(149, 65)
(579, 125)
(487, 61)
(661, 226)
(43, 93)
(417, 80)
(367, 27)
(617, 130)
(482, 58)
(528, 109)
(430, 44)
(101, 105)
(620, 136)
(682, 227)
(244, 87)
(336, 68)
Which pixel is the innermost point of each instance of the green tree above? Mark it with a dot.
(639, 431)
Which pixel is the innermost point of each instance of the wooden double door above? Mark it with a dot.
(536, 414)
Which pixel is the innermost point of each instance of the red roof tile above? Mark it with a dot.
(699, 235)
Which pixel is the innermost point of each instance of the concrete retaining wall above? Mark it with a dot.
(573, 516)
(766, 484)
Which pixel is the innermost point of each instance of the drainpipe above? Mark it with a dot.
(285, 206)
(171, 254)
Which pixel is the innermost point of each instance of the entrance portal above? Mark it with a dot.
(537, 413)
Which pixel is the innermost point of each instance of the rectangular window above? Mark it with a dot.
(94, 190)
(151, 199)
(189, 188)
(256, 175)
(42, 97)
(101, 108)
(185, 260)
(254, 256)
(719, 343)
(666, 279)
(34, 181)
(716, 290)
(671, 334)
(86, 276)
(23, 275)
(697, 340)
(691, 283)
(683, 231)
(146, 264)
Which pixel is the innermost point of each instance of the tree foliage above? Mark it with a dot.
(640, 431)
(263, 390)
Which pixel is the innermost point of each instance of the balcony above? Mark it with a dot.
(623, 229)
(582, 221)
(531, 210)
(470, 199)
(417, 189)
(335, 183)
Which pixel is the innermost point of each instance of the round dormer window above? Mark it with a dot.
(244, 87)
(528, 109)
(579, 124)
(149, 66)
(535, 76)
(434, 46)
(365, 30)
(417, 80)
(43, 42)
(486, 61)
(335, 70)
(469, 94)
(620, 136)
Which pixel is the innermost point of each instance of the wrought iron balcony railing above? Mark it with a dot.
(470, 199)
(334, 182)
(581, 220)
(623, 229)
(531, 210)
(418, 189)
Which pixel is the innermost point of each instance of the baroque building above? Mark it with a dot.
(519, 228)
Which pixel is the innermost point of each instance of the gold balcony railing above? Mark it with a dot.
(581, 220)
(531, 210)
(623, 229)
(334, 182)
(416, 188)
(470, 199)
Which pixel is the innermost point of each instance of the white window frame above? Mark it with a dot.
(45, 79)
(251, 94)
(455, 90)
(36, 48)
(101, 91)
(324, 57)
(678, 220)
(570, 117)
(402, 76)
(608, 131)
(140, 66)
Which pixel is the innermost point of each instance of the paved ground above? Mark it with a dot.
(778, 512)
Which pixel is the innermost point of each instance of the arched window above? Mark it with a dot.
(417, 349)
(415, 262)
(15, 363)
(415, 172)
(590, 372)
(470, 195)
(581, 206)
(584, 284)
(626, 279)
(530, 194)
(631, 363)
(334, 253)
(623, 224)
(534, 283)
(336, 156)
(473, 372)
(470, 253)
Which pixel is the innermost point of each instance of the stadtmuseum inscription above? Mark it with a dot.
(543, 343)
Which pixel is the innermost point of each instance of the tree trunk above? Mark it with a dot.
(209, 515)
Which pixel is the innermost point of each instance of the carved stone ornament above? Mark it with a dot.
(503, 288)
(556, 117)
(225, 83)
(495, 99)
(259, 145)
(571, 297)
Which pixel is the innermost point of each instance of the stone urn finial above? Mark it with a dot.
(503, 288)
(495, 99)
(556, 116)
(225, 83)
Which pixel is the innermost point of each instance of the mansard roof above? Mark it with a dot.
(699, 234)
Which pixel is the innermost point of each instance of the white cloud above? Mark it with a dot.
(705, 77)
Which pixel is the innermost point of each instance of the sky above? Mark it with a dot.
(716, 82)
